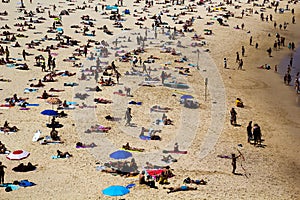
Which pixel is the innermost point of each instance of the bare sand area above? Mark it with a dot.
(190, 55)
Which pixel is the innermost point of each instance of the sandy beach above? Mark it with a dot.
(87, 38)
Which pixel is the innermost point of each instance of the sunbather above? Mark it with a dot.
(39, 84)
(181, 188)
(2, 148)
(63, 155)
(128, 147)
(198, 182)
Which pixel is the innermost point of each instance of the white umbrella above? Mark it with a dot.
(18, 155)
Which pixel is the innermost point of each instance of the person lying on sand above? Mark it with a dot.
(95, 89)
(55, 90)
(39, 84)
(128, 147)
(188, 180)
(168, 159)
(181, 188)
(63, 155)
(98, 128)
(101, 100)
(82, 145)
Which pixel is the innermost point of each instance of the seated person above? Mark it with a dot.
(239, 103)
(2, 148)
(45, 95)
(181, 188)
(54, 134)
(168, 158)
(39, 84)
(142, 179)
(63, 155)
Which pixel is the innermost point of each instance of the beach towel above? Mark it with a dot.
(9, 65)
(56, 157)
(71, 103)
(154, 172)
(12, 186)
(192, 65)
(23, 108)
(66, 108)
(135, 103)
(32, 104)
(143, 137)
(36, 136)
(177, 152)
(28, 90)
(26, 183)
(130, 185)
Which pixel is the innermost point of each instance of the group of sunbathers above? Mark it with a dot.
(122, 168)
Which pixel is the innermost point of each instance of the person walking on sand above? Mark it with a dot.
(233, 116)
(243, 51)
(249, 131)
(241, 63)
(251, 41)
(128, 116)
(225, 63)
(2, 173)
(237, 57)
(233, 163)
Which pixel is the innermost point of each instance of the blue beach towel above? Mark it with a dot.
(26, 183)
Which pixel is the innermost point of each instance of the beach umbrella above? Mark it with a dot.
(120, 154)
(187, 97)
(18, 155)
(49, 112)
(53, 100)
(115, 190)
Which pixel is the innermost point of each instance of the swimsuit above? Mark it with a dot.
(183, 187)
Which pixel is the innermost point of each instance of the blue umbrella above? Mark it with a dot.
(115, 190)
(187, 97)
(120, 154)
(49, 112)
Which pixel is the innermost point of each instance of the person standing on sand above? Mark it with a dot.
(251, 41)
(233, 163)
(241, 63)
(2, 173)
(128, 116)
(233, 116)
(243, 51)
(225, 63)
(237, 57)
(249, 131)
(256, 134)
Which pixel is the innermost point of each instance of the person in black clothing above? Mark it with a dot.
(234, 162)
(249, 131)
(256, 134)
(2, 173)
